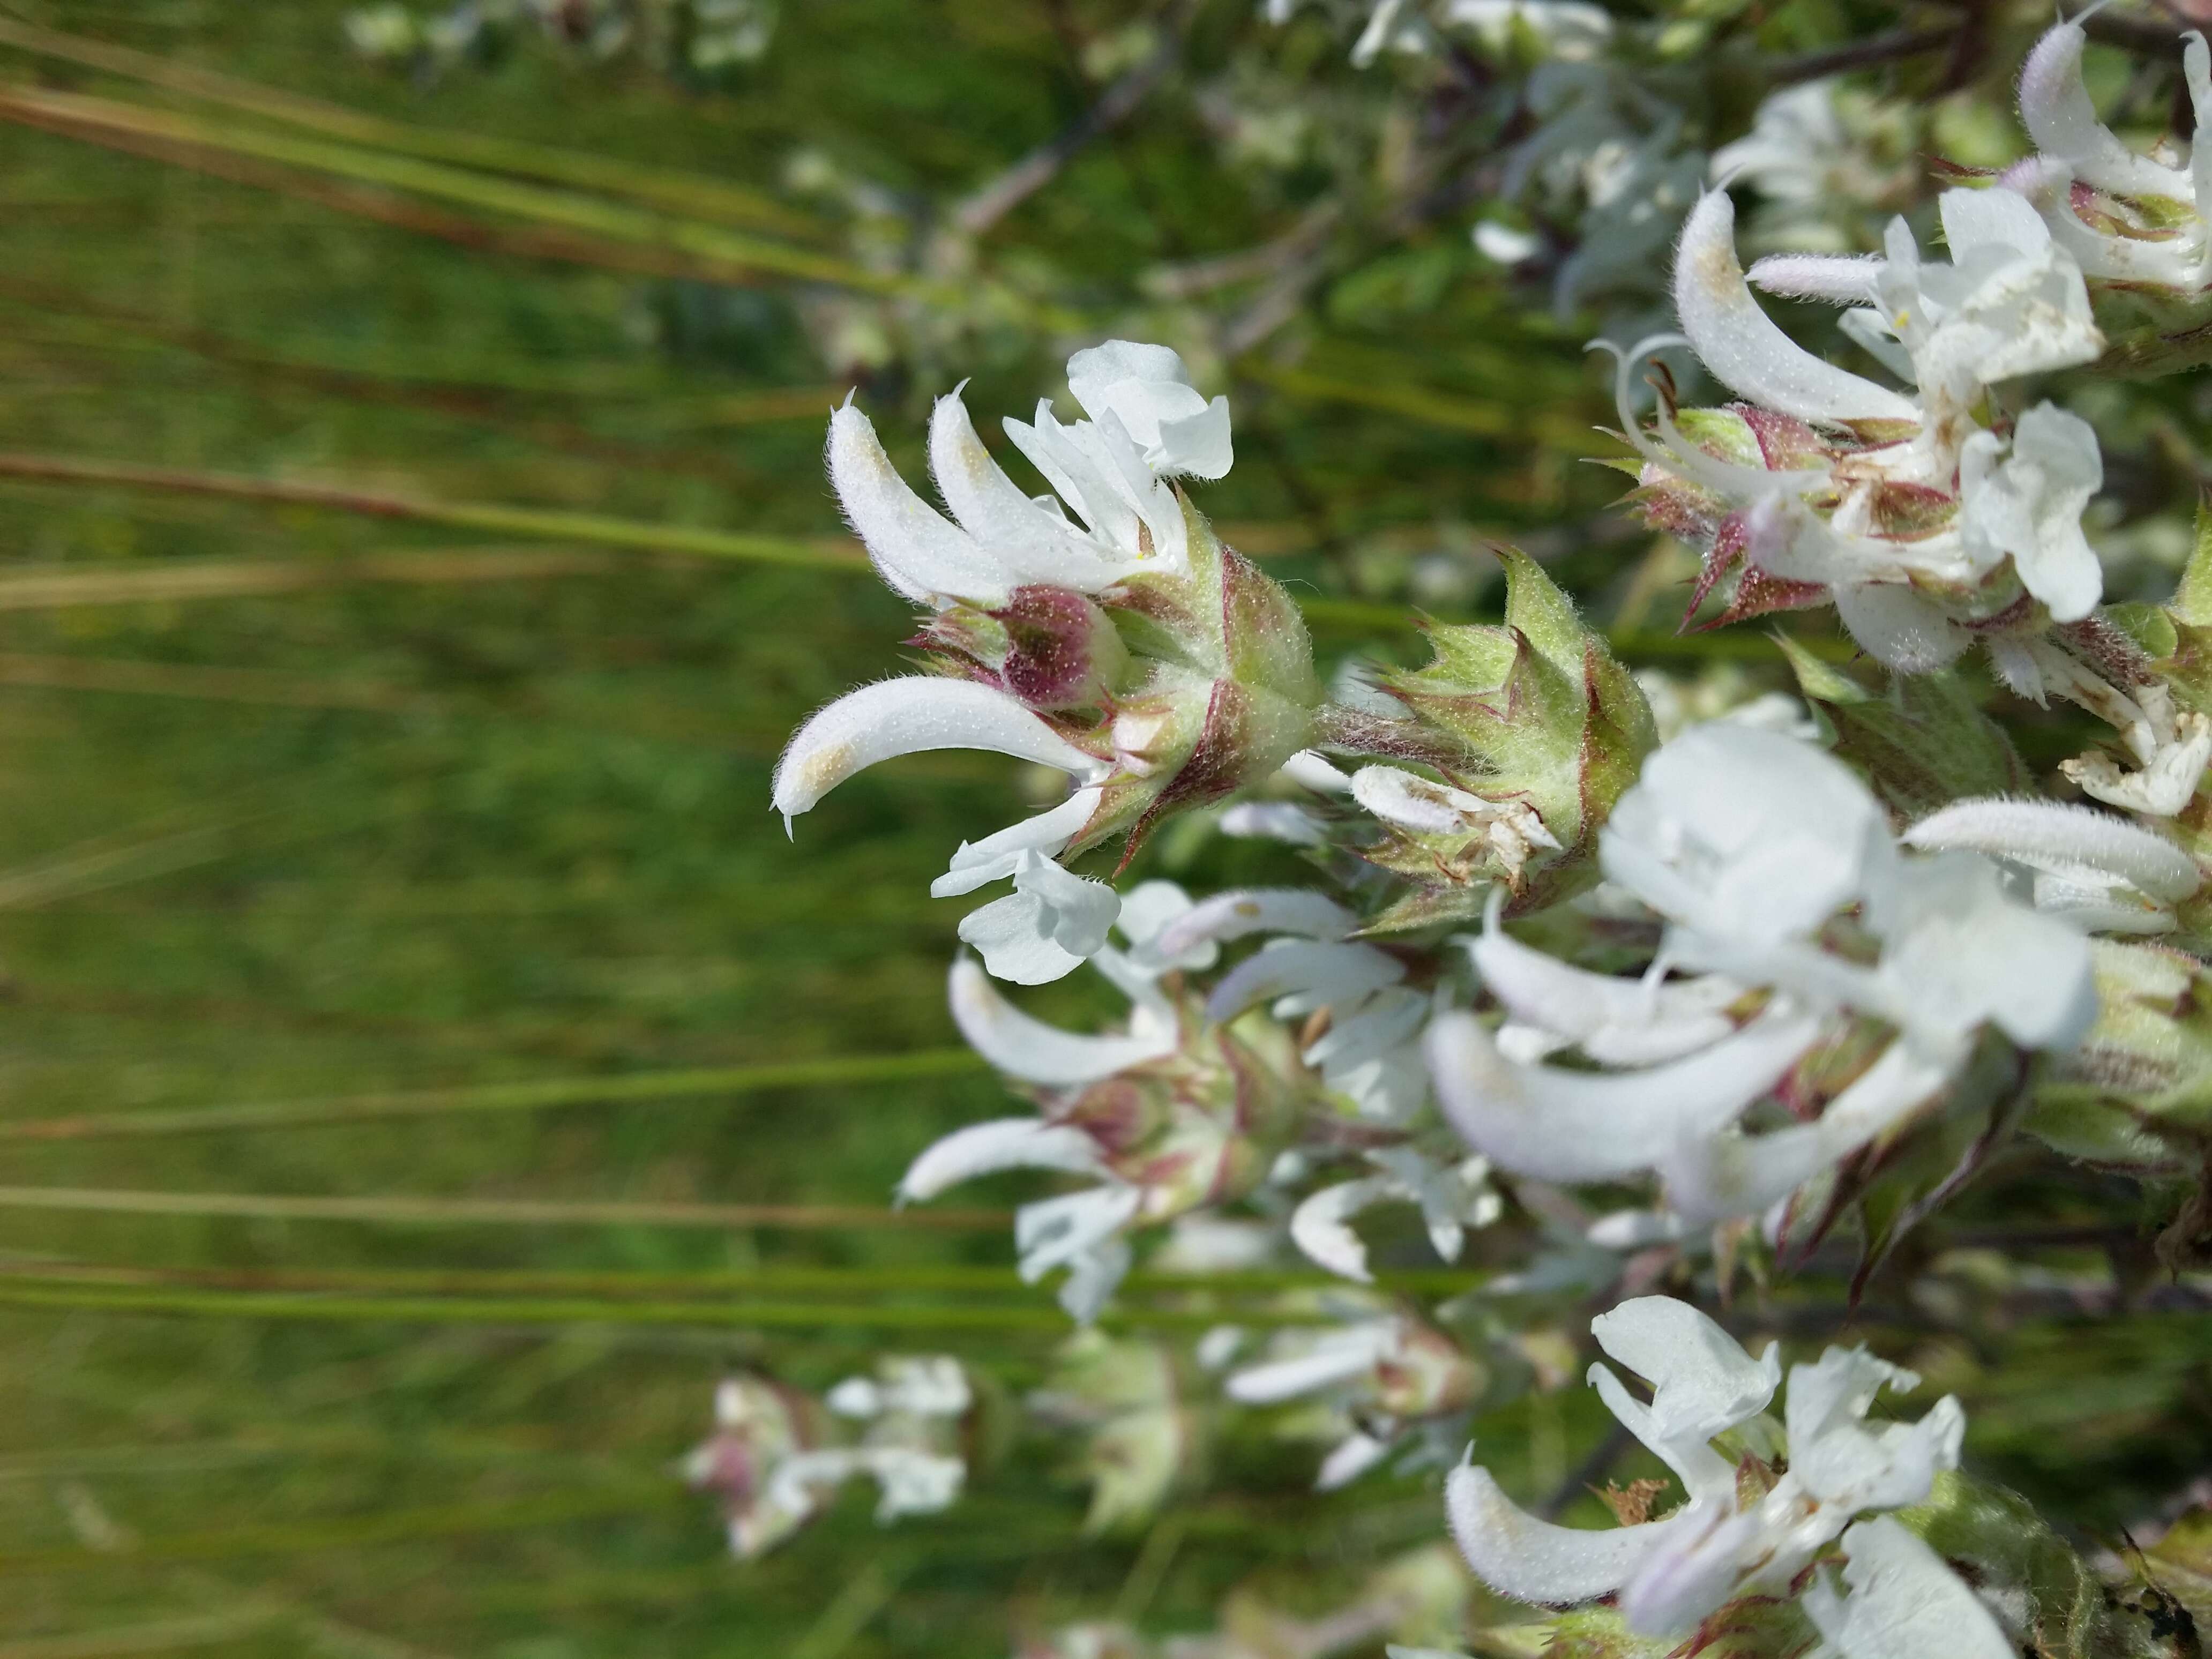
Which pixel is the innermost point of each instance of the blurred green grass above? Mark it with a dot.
(511, 824)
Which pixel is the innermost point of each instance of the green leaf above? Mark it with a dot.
(1921, 744)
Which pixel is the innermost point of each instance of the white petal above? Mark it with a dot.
(1321, 973)
(1899, 629)
(1093, 1278)
(1975, 218)
(1316, 772)
(1840, 279)
(913, 1482)
(1030, 1050)
(1246, 911)
(1005, 1143)
(2055, 107)
(1532, 1560)
(1195, 446)
(1089, 489)
(1338, 1358)
(997, 856)
(1905, 1602)
(1385, 1022)
(1351, 1457)
(1744, 348)
(856, 1396)
(914, 549)
(1744, 833)
(2044, 833)
(1728, 1175)
(1321, 1225)
(1053, 921)
(1033, 544)
(1959, 952)
(1053, 1232)
(1273, 820)
(1581, 1125)
(1614, 1020)
(1702, 1383)
(905, 716)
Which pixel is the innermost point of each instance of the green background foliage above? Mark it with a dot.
(363, 821)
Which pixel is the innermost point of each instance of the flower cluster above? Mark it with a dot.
(1104, 631)
(1756, 1512)
(1597, 982)
(776, 1459)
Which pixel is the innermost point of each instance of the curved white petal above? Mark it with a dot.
(2055, 107)
(1316, 772)
(1318, 972)
(906, 716)
(1033, 1051)
(914, 549)
(1351, 1457)
(1729, 1174)
(1905, 1602)
(1614, 1020)
(1273, 820)
(1321, 1225)
(1959, 952)
(997, 856)
(1246, 911)
(1535, 1561)
(2046, 834)
(1742, 345)
(1702, 1383)
(1844, 279)
(1337, 1357)
(1005, 1143)
(1034, 544)
(1581, 1125)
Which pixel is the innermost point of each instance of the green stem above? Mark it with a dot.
(814, 1317)
(405, 1211)
(537, 1095)
(684, 192)
(550, 524)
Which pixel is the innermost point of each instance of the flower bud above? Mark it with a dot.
(1051, 647)
(1536, 730)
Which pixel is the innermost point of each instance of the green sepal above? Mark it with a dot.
(1996, 1542)
(1534, 710)
(1921, 744)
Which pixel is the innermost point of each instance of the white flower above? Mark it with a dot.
(1789, 153)
(1452, 1197)
(1371, 1051)
(2171, 746)
(1384, 1376)
(2029, 505)
(1903, 1603)
(1001, 552)
(1752, 845)
(1175, 1121)
(931, 1385)
(1147, 392)
(1896, 508)
(1669, 1573)
(2116, 239)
